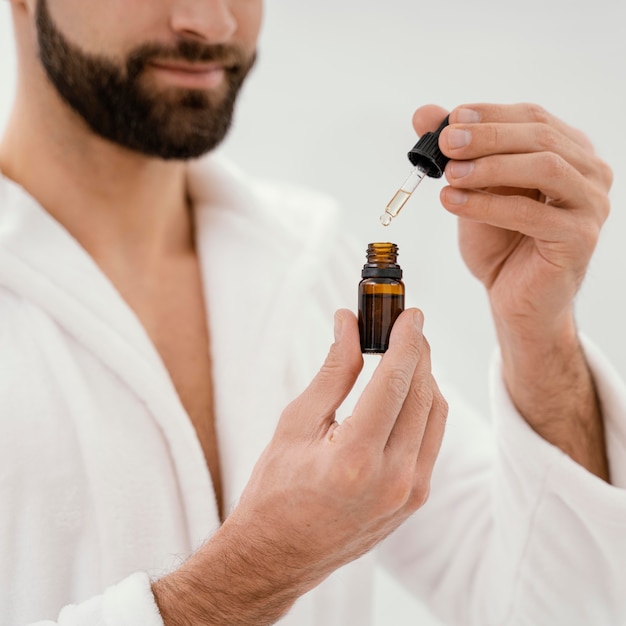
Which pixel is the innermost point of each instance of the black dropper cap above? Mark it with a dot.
(426, 154)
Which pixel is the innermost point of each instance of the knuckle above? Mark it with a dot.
(588, 235)
(537, 113)
(423, 367)
(415, 345)
(604, 207)
(599, 205)
(419, 493)
(583, 237)
(399, 490)
(491, 168)
(442, 414)
(399, 382)
(553, 165)
(330, 369)
(441, 406)
(493, 138)
(582, 139)
(422, 395)
(340, 364)
(425, 362)
(496, 138)
(606, 175)
(522, 211)
(546, 137)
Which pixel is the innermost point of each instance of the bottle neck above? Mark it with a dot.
(382, 261)
(382, 254)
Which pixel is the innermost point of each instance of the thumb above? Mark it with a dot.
(427, 118)
(313, 412)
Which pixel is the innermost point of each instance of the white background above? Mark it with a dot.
(330, 103)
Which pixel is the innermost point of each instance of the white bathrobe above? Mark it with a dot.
(103, 484)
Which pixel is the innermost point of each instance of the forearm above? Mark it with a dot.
(551, 386)
(230, 582)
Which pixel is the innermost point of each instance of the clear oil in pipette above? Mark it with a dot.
(402, 196)
(394, 207)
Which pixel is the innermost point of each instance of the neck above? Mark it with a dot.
(121, 206)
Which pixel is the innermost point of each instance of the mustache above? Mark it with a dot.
(232, 57)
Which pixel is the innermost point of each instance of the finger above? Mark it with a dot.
(540, 128)
(428, 118)
(470, 141)
(380, 403)
(546, 172)
(313, 412)
(515, 114)
(406, 435)
(429, 449)
(521, 214)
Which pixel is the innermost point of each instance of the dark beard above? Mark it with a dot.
(111, 99)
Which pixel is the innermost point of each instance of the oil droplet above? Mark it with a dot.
(385, 219)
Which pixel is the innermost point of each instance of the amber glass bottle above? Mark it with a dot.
(381, 297)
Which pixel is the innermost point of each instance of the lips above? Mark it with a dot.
(196, 75)
(192, 68)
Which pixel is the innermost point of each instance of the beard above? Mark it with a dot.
(119, 106)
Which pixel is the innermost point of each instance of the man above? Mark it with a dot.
(161, 320)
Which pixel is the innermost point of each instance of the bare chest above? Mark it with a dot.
(173, 313)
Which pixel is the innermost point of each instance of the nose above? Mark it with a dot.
(209, 20)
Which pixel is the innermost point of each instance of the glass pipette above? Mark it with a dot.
(428, 161)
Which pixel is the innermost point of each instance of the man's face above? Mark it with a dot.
(169, 99)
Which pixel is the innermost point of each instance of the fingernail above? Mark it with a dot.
(338, 326)
(459, 169)
(418, 320)
(467, 116)
(455, 196)
(458, 138)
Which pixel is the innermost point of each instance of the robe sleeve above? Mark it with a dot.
(128, 603)
(515, 532)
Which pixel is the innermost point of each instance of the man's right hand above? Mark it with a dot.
(322, 494)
